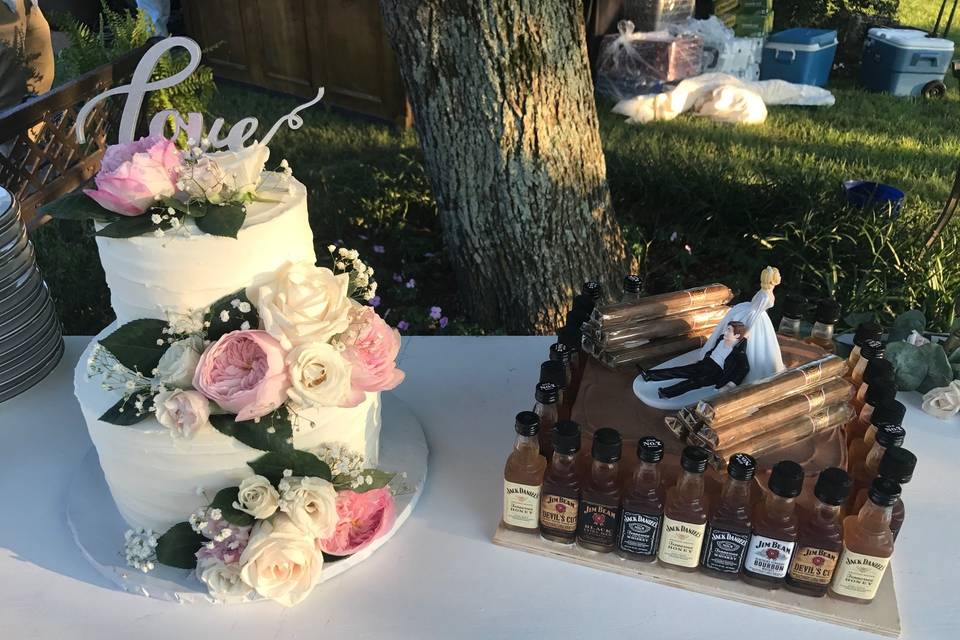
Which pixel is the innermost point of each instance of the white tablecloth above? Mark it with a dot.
(440, 577)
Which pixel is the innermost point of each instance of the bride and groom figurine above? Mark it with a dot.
(743, 348)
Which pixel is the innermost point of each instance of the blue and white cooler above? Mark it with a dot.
(905, 62)
(801, 56)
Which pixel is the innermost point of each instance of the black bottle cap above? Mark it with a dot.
(828, 311)
(891, 411)
(632, 284)
(890, 434)
(741, 466)
(880, 393)
(879, 370)
(871, 349)
(786, 479)
(554, 371)
(546, 393)
(897, 464)
(560, 352)
(794, 305)
(867, 331)
(593, 290)
(566, 437)
(650, 449)
(694, 459)
(833, 486)
(527, 424)
(884, 492)
(607, 445)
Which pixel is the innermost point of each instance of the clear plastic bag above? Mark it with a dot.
(654, 15)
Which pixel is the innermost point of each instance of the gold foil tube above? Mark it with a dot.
(745, 399)
(660, 305)
(789, 433)
(654, 351)
(769, 417)
(625, 336)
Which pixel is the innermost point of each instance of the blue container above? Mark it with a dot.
(866, 195)
(903, 61)
(801, 56)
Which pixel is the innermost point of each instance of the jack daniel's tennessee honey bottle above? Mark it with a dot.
(523, 477)
(685, 514)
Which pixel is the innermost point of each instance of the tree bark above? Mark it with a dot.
(503, 106)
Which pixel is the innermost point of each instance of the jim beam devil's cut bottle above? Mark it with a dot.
(560, 498)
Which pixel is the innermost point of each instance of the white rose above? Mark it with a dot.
(205, 179)
(242, 168)
(223, 580)
(257, 497)
(183, 412)
(301, 303)
(311, 504)
(280, 562)
(178, 363)
(943, 402)
(319, 375)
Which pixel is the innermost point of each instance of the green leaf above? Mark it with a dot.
(135, 344)
(906, 323)
(174, 204)
(303, 463)
(235, 320)
(258, 434)
(78, 206)
(224, 501)
(179, 545)
(124, 412)
(128, 227)
(939, 371)
(222, 220)
(909, 365)
(380, 479)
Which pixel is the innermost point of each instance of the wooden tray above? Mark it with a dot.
(881, 616)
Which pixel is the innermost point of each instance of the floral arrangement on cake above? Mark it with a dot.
(152, 187)
(249, 366)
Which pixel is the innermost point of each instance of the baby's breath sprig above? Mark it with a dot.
(362, 285)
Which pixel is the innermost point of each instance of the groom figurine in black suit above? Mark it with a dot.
(725, 364)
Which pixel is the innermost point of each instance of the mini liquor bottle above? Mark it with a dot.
(523, 476)
(685, 514)
(599, 518)
(867, 545)
(573, 338)
(828, 312)
(821, 535)
(559, 352)
(775, 526)
(554, 371)
(887, 435)
(865, 331)
(728, 530)
(547, 408)
(560, 497)
(878, 371)
(632, 288)
(591, 294)
(877, 395)
(892, 412)
(641, 513)
(870, 350)
(792, 314)
(898, 465)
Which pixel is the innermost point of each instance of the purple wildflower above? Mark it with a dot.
(397, 277)
(436, 312)
(443, 322)
(375, 301)
(378, 248)
(403, 325)
(411, 284)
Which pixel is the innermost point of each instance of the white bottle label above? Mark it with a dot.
(858, 576)
(521, 505)
(681, 542)
(768, 556)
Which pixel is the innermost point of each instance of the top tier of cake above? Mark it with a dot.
(185, 271)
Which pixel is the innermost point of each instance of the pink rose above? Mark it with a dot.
(373, 354)
(132, 175)
(363, 517)
(244, 373)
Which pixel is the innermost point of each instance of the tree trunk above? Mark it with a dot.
(504, 110)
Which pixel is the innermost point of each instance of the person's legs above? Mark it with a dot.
(159, 12)
(674, 390)
(669, 373)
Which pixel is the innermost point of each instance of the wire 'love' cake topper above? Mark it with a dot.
(140, 83)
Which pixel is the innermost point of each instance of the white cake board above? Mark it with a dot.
(98, 528)
(647, 391)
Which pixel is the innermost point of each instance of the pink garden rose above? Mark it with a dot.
(132, 175)
(244, 373)
(364, 517)
(373, 354)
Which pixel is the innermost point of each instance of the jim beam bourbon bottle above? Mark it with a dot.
(641, 514)
(523, 476)
(867, 545)
(599, 518)
(821, 535)
(685, 514)
(728, 530)
(560, 497)
(774, 528)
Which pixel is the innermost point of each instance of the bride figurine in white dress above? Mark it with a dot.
(763, 349)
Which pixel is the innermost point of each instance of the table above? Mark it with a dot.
(440, 577)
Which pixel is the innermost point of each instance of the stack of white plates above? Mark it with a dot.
(30, 340)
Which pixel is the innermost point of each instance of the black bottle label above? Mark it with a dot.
(724, 550)
(639, 532)
(598, 524)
